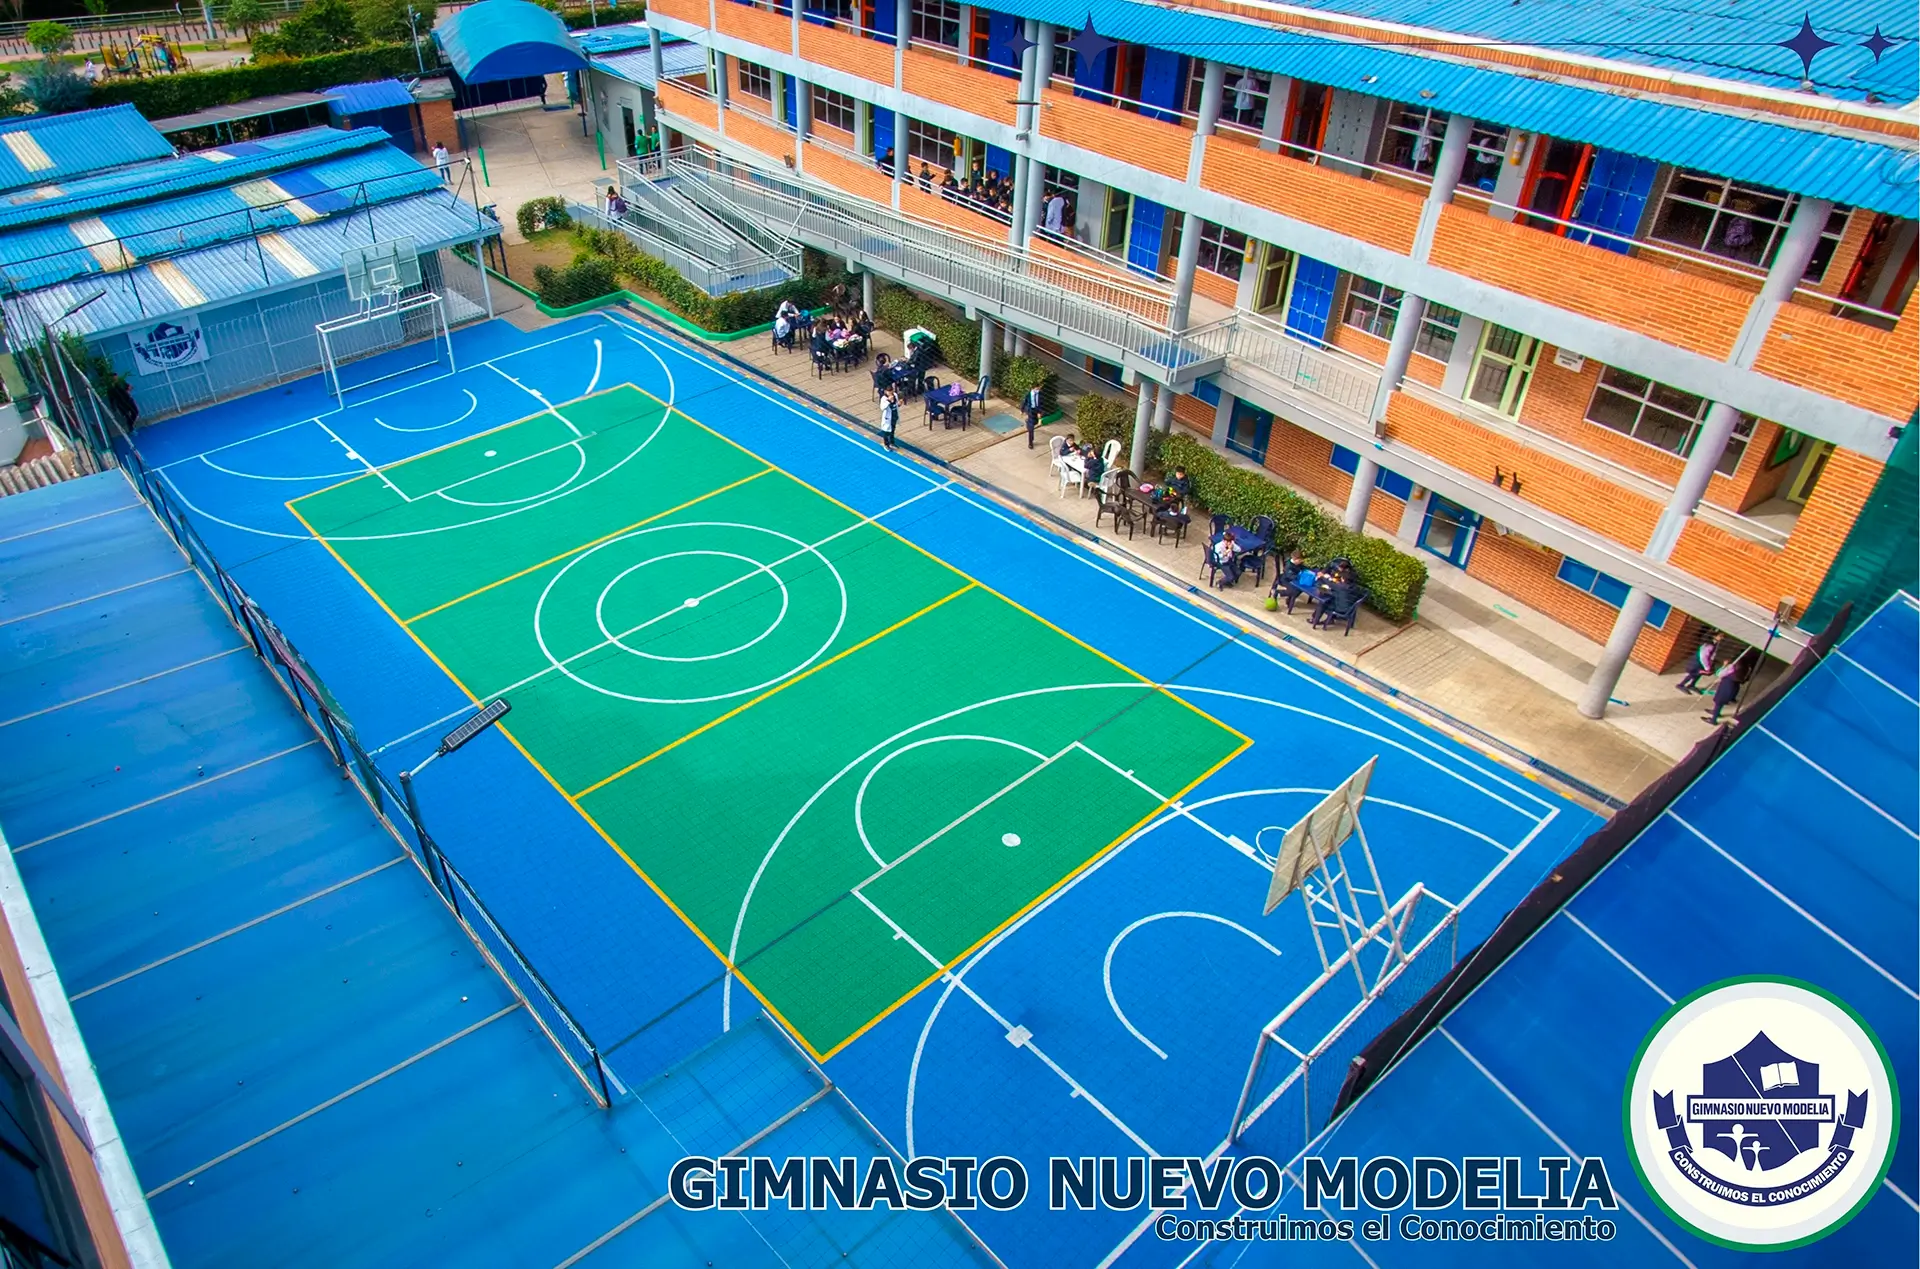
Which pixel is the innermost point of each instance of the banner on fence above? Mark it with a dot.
(170, 344)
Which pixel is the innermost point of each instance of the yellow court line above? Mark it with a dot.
(498, 427)
(605, 537)
(782, 686)
(1028, 906)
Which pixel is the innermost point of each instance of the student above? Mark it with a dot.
(1056, 212)
(1732, 678)
(926, 177)
(1704, 658)
(1031, 403)
(885, 161)
(889, 416)
(442, 161)
(1180, 486)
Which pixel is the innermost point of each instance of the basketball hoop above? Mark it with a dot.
(383, 280)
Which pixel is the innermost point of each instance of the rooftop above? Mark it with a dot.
(43, 149)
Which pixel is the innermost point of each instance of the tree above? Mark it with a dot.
(384, 21)
(50, 37)
(54, 89)
(321, 26)
(98, 8)
(248, 15)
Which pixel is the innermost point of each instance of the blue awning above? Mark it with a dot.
(359, 99)
(506, 39)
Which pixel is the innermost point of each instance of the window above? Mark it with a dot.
(1248, 431)
(756, 81)
(929, 144)
(1222, 250)
(1244, 94)
(1502, 369)
(1413, 138)
(1660, 416)
(936, 22)
(833, 109)
(1063, 57)
(1271, 291)
(1390, 483)
(1737, 222)
(1374, 309)
(1608, 590)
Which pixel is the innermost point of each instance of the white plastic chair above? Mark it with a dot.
(1056, 446)
(1072, 475)
(1110, 453)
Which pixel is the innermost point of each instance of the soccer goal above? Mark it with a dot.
(393, 311)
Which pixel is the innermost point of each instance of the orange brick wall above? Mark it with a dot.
(1352, 339)
(437, 124)
(1119, 134)
(1221, 290)
(1305, 461)
(678, 101)
(1318, 195)
(756, 26)
(846, 52)
(834, 136)
(1693, 313)
(747, 130)
(1526, 572)
(862, 179)
(692, 12)
(945, 80)
(1876, 369)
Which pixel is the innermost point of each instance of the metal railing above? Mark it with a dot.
(1259, 343)
(181, 26)
(743, 270)
(70, 393)
(648, 175)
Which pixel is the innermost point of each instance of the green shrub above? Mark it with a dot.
(1099, 419)
(321, 26)
(49, 37)
(538, 213)
(900, 310)
(589, 277)
(725, 314)
(1013, 377)
(163, 96)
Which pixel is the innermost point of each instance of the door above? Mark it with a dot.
(1449, 531)
(1271, 291)
(1502, 369)
(1559, 169)
(1809, 474)
(1248, 431)
(1113, 236)
(627, 128)
(1306, 125)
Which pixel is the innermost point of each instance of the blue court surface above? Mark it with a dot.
(1116, 1015)
(1792, 856)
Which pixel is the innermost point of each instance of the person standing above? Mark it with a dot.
(441, 161)
(1732, 678)
(1056, 212)
(1032, 404)
(889, 416)
(1704, 659)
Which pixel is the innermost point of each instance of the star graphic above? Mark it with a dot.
(1807, 44)
(1089, 44)
(1877, 44)
(1017, 46)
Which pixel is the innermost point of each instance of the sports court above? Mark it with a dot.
(798, 726)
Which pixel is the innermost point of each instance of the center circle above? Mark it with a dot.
(618, 637)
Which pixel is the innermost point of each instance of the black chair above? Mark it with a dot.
(1329, 611)
(823, 360)
(937, 410)
(1286, 586)
(1169, 518)
(960, 411)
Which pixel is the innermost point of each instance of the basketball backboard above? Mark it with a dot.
(1318, 834)
(381, 269)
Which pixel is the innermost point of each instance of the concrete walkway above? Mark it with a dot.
(531, 152)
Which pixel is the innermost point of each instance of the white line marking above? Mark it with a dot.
(75, 603)
(1106, 966)
(1777, 893)
(1614, 952)
(1904, 1196)
(860, 798)
(536, 395)
(473, 403)
(117, 687)
(1837, 652)
(172, 793)
(373, 471)
(599, 352)
(68, 523)
(1864, 800)
(245, 440)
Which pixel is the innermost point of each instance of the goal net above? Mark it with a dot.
(394, 310)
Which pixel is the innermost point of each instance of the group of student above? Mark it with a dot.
(1729, 673)
(831, 332)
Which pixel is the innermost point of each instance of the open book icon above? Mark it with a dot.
(1779, 1075)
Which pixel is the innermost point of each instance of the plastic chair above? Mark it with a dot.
(937, 410)
(962, 411)
(1056, 448)
(1327, 613)
(1072, 476)
(1110, 453)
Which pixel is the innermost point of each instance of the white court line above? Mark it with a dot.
(335, 1100)
(1777, 893)
(49, 528)
(1875, 677)
(536, 395)
(473, 403)
(1614, 952)
(354, 454)
(171, 793)
(1554, 1137)
(1106, 966)
(599, 354)
(1904, 1196)
(1006, 1027)
(117, 687)
(75, 603)
(245, 440)
(244, 925)
(1864, 800)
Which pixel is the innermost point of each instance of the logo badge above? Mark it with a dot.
(1762, 1113)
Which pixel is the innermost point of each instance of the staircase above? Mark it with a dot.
(709, 252)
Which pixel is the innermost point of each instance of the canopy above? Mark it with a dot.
(506, 39)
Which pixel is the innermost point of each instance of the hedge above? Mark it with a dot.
(542, 213)
(1395, 578)
(163, 96)
(588, 278)
(900, 310)
(1014, 376)
(737, 311)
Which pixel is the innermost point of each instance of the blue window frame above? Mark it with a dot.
(1206, 390)
(1391, 483)
(1609, 590)
(1248, 432)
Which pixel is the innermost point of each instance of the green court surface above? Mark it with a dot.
(843, 762)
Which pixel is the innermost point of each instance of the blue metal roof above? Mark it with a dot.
(1875, 175)
(354, 183)
(46, 149)
(356, 99)
(234, 270)
(676, 59)
(616, 39)
(202, 169)
(506, 39)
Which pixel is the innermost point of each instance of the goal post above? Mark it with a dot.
(393, 309)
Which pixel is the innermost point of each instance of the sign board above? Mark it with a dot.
(1567, 359)
(1318, 834)
(169, 344)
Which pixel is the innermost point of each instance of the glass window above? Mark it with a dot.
(930, 144)
(1063, 57)
(756, 81)
(1503, 369)
(1412, 142)
(936, 22)
(1222, 250)
(1244, 94)
(1745, 223)
(1661, 416)
(833, 109)
(1390, 483)
(1607, 589)
(1275, 263)
(1438, 330)
(1375, 308)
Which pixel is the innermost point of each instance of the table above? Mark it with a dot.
(948, 395)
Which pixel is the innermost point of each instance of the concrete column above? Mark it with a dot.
(1163, 410)
(862, 125)
(722, 73)
(1613, 659)
(1212, 91)
(899, 153)
(1788, 268)
(1020, 343)
(1142, 420)
(659, 74)
(802, 117)
(1007, 337)
(902, 27)
(1188, 264)
(988, 330)
(1446, 178)
(1223, 420)
(866, 291)
(1279, 95)
(1017, 220)
(1360, 497)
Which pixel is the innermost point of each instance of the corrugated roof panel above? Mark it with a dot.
(506, 39)
(614, 39)
(73, 144)
(637, 67)
(235, 270)
(354, 99)
(1881, 177)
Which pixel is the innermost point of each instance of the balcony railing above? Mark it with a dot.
(1326, 374)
